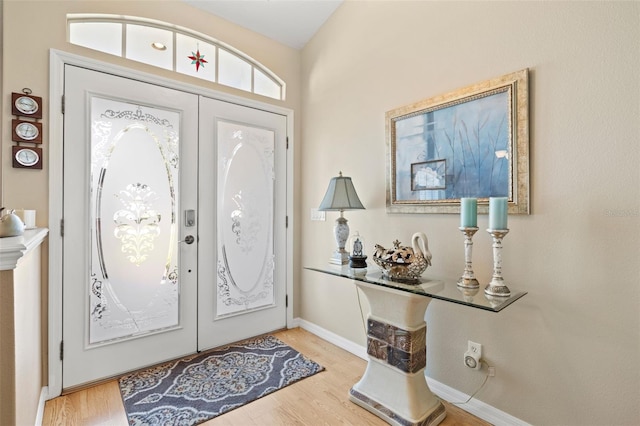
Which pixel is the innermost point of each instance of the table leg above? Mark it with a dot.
(393, 385)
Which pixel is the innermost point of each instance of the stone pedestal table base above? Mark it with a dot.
(393, 386)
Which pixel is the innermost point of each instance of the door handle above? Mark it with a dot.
(189, 239)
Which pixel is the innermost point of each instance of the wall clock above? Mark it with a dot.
(26, 157)
(26, 105)
(26, 131)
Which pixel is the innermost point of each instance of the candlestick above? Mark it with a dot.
(498, 213)
(468, 278)
(468, 212)
(497, 286)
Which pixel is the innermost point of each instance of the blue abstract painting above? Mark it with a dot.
(465, 144)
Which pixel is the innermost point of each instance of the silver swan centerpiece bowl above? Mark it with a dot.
(404, 264)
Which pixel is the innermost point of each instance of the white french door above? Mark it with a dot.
(242, 251)
(163, 190)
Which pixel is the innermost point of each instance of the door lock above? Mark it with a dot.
(189, 239)
(189, 218)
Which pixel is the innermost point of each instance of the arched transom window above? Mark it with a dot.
(170, 47)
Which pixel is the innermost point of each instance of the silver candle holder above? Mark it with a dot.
(468, 278)
(496, 286)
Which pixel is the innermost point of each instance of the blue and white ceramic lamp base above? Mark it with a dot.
(341, 232)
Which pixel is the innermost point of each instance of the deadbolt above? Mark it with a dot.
(189, 218)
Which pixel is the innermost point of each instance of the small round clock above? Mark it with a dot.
(26, 105)
(27, 131)
(27, 157)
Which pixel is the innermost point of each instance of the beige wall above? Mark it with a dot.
(567, 352)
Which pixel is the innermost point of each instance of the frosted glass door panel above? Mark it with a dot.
(242, 250)
(245, 218)
(134, 191)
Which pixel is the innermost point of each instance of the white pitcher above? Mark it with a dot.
(10, 224)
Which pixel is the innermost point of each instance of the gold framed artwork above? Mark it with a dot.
(472, 142)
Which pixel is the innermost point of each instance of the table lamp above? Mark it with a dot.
(341, 195)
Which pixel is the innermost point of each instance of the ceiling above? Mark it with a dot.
(290, 22)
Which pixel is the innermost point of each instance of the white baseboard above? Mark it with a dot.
(44, 395)
(330, 337)
(478, 408)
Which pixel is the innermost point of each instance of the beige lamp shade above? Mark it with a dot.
(341, 195)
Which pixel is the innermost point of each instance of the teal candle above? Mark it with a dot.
(498, 213)
(468, 212)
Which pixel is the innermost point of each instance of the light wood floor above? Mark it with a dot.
(318, 400)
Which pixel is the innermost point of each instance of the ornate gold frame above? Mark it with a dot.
(516, 86)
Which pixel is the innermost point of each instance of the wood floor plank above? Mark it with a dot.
(318, 400)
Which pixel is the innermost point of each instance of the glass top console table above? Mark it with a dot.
(436, 288)
(393, 386)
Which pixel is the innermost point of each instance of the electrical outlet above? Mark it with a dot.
(492, 372)
(475, 348)
(472, 355)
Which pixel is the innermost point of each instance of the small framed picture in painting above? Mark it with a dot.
(428, 175)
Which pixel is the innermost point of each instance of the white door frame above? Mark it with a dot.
(57, 61)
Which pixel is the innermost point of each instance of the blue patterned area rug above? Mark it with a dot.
(202, 386)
